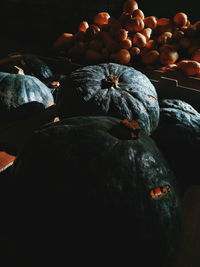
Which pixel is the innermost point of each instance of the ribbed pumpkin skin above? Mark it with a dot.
(178, 137)
(17, 89)
(79, 169)
(87, 93)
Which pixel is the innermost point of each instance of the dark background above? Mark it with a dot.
(37, 23)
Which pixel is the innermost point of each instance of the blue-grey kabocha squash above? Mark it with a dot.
(37, 67)
(18, 89)
(110, 89)
(178, 137)
(104, 190)
(34, 66)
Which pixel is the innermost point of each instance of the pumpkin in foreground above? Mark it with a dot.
(178, 137)
(18, 89)
(110, 89)
(105, 188)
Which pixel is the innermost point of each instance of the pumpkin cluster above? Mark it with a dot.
(107, 171)
(100, 175)
(97, 171)
(105, 179)
(136, 39)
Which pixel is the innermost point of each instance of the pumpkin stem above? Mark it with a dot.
(126, 130)
(54, 84)
(18, 70)
(112, 81)
(135, 130)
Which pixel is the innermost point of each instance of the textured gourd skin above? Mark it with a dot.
(87, 93)
(178, 137)
(17, 89)
(95, 188)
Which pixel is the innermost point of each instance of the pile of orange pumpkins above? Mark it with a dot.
(132, 38)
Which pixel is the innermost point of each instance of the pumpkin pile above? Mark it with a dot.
(93, 177)
(106, 180)
(157, 43)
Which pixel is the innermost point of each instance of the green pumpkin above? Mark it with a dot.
(178, 137)
(17, 89)
(34, 66)
(110, 89)
(103, 188)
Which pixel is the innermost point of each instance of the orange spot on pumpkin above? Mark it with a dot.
(159, 192)
(153, 97)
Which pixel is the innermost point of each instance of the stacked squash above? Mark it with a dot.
(101, 182)
(98, 173)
